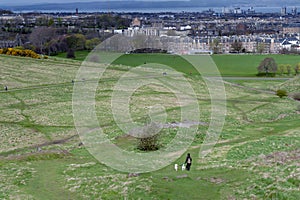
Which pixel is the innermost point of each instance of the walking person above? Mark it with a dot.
(188, 162)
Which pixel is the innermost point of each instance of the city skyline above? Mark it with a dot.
(216, 3)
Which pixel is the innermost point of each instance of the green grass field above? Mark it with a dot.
(228, 65)
(246, 65)
(79, 55)
(41, 156)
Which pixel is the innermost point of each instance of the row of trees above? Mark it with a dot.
(47, 35)
(268, 67)
(50, 41)
(289, 69)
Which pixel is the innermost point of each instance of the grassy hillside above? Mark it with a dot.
(292, 86)
(41, 156)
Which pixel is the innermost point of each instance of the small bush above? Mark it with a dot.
(281, 93)
(150, 140)
(71, 53)
(266, 74)
(149, 144)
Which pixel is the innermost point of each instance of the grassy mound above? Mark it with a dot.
(41, 156)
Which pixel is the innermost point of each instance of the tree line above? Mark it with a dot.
(269, 67)
(51, 36)
(51, 41)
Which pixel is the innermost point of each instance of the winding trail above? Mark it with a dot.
(227, 79)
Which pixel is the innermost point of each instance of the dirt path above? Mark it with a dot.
(226, 79)
(34, 148)
(249, 88)
(256, 78)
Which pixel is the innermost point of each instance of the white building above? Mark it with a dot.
(291, 43)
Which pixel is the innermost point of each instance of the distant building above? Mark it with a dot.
(226, 10)
(291, 28)
(241, 28)
(136, 22)
(250, 11)
(187, 27)
(291, 43)
(149, 31)
(7, 43)
(237, 11)
(283, 11)
(11, 43)
(294, 11)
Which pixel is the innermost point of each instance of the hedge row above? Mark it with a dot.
(20, 52)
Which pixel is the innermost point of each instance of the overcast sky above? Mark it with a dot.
(30, 2)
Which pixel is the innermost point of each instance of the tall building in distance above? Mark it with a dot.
(294, 11)
(283, 11)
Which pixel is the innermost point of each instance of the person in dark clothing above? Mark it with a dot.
(5, 88)
(188, 162)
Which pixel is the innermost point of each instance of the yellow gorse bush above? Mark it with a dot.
(20, 52)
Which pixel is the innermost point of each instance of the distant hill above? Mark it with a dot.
(150, 4)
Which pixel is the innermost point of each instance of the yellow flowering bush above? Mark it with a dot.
(20, 52)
